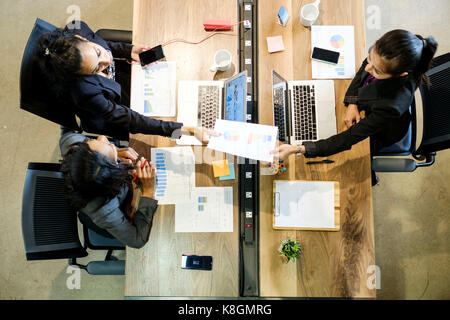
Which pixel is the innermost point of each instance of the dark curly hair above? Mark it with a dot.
(59, 59)
(88, 175)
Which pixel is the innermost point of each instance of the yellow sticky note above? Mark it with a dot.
(275, 44)
(221, 168)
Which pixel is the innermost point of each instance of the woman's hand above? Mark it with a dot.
(282, 152)
(146, 177)
(352, 116)
(127, 155)
(202, 134)
(136, 50)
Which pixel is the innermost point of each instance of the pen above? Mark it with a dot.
(143, 165)
(322, 161)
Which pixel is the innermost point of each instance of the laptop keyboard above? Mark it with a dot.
(279, 112)
(305, 126)
(208, 106)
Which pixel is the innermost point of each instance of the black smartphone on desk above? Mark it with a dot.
(196, 262)
(324, 55)
(152, 55)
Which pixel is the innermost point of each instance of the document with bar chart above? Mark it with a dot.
(175, 174)
(153, 89)
(335, 38)
(210, 210)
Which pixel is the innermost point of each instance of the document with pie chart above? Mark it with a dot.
(336, 38)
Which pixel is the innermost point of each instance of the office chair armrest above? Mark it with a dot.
(109, 267)
(393, 165)
(115, 35)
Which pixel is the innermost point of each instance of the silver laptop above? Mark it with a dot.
(303, 110)
(201, 103)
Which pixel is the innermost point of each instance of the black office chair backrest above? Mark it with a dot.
(35, 96)
(49, 224)
(436, 107)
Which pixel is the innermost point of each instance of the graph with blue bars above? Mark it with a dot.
(161, 175)
(148, 92)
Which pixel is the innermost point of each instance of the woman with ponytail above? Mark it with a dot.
(79, 68)
(384, 88)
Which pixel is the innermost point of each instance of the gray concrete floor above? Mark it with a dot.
(410, 210)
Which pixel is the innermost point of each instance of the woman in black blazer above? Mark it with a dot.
(384, 88)
(79, 67)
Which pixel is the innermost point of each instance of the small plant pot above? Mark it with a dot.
(289, 250)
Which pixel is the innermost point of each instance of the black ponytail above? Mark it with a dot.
(58, 58)
(403, 51)
(428, 51)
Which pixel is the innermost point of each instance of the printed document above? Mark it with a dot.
(153, 89)
(248, 140)
(211, 210)
(335, 38)
(175, 174)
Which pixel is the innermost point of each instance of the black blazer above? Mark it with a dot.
(96, 99)
(386, 103)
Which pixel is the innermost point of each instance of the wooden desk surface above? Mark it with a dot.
(334, 264)
(155, 269)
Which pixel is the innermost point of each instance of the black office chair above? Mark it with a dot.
(50, 228)
(34, 95)
(436, 125)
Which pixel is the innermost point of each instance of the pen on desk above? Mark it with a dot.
(322, 161)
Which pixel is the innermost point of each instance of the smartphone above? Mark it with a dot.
(324, 55)
(152, 55)
(196, 262)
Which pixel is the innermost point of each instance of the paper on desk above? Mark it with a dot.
(175, 174)
(248, 140)
(211, 210)
(336, 38)
(153, 89)
(304, 204)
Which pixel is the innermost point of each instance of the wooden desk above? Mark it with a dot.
(155, 269)
(334, 264)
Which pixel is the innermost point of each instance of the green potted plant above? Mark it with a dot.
(290, 250)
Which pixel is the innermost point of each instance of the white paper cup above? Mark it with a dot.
(309, 14)
(222, 61)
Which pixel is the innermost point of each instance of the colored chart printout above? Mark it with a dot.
(211, 210)
(247, 140)
(175, 174)
(153, 89)
(335, 38)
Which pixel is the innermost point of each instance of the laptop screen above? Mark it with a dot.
(235, 100)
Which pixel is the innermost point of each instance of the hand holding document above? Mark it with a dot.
(247, 140)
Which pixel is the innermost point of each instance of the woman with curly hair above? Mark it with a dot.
(78, 67)
(99, 184)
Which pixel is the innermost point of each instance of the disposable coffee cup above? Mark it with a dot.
(222, 61)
